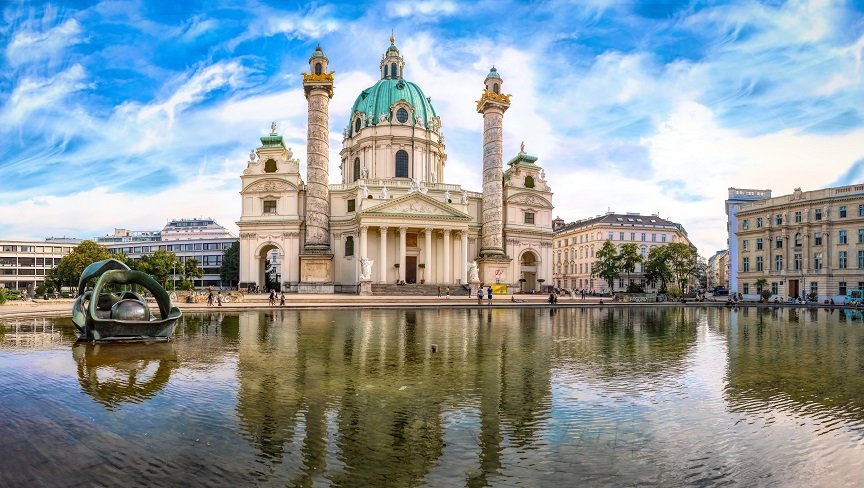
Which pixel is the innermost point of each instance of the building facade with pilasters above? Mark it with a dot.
(392, 218)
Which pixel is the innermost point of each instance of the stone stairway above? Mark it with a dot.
(416, 289)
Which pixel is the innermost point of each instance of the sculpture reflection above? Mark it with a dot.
(113, 374)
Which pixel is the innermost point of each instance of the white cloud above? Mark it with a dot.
(28, 46)
(422, 9)
(312, 24)
(33, 94)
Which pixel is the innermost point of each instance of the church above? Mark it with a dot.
(393, 219)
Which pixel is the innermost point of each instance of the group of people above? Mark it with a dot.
(488, 295)
(211, 299)
(273, 298)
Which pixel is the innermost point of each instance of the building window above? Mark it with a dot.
(817, 214)
(662, 237)
(632, 236)
(817, 238)
(529, 218)
(861, 285)
(861, 210)
(778, 243)
(270, 166)
(798, 261)
(817, 260)
(349, 246)
(745, 265)
(774, 288)
(759, 263)
(797, 217)
(860, 236)
(745, 244)
(746, 288)
(357, 125)
(643, 237)
(778, 262)
(860, 259)
(841, 260)
(402, 115)
(611, 236)
(653, 237)
(317, 68)
(842, 286)
(745, 224)
(393, 71)
(778, 219)
(356, 169)
(759, 244)
(797, 240)
(351, 205)
(401, 164)
(620, 236)
(269, 206)
(758, 288)
(529, 182)
(843, 211)
(842, 237)
(496, 88)
(814, 287)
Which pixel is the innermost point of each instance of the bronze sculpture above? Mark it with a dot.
(100, 315)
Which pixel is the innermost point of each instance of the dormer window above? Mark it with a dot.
(529, 182)
(402, 115)
(270, 166)
(393, 70)
(317, 68)
(357, 125)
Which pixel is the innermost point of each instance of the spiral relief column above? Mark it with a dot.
(316, 261)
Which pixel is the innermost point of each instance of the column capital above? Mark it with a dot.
(428, 230)
(382, 229)
(403, 230)
(364, 228)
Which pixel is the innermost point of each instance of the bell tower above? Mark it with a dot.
(316, 259)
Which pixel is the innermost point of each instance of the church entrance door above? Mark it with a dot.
(411, 269)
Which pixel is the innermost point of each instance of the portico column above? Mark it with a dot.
(447, 263)
(363, 250)
(402, 231)
(428, 252)
(464, 264)
(382, 256)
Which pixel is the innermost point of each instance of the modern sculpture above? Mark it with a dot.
(125, 315)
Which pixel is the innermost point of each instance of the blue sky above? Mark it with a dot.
(126, 114)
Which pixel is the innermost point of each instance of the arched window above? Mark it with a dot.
(317, 68)
(357, 124)
(393, 72)
(496, 88)
(797, 240)
(385, 71)
(270, 166)
(349, 246)
(356, 169)
(401, 164)
(529, 182)
(402, 115)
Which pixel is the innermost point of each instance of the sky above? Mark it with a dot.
(125, 114)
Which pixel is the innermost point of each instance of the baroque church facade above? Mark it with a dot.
(393, 218)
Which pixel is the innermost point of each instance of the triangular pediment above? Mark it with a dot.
(415, 205)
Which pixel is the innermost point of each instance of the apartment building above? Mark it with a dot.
(24, 264)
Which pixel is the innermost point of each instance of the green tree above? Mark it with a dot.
(192, 269)
(72, 265)
(761, 283)
(682, 263)
(606, 266)
(657, 267)
(628, 258)
(230, 271)
(161, 265)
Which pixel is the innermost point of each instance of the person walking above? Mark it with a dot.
(479, 296)
(439, 292)
(469, 292)
(489, 294)
(447, 293)
(272, 298)
(282, 299)
(219, 299)
(210, 298)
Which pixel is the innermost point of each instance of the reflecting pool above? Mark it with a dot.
(450, 397)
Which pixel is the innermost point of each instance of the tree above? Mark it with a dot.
(230, 271)
(682, 263)
(628, 258)
(68, 272)
(192, 269)
(606, 266)
(160, 265)
(657, 267)
(761, 283)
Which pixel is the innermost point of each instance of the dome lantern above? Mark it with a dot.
(392, 62)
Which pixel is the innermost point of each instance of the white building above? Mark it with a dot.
(24, 264)
(393, 209)
(737, 198)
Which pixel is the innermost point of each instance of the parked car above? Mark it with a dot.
(720, 292)
(853, 297)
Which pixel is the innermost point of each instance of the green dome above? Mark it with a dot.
(493, 73)
(378, 99)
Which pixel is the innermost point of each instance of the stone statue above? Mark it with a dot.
(362, 119)
(272, 128)
(382, 118)
(522, 148)
(366, 269)
(543, 174)
(385, 193)
(415, 186)
(362, 193)
(364, 173)
(473, 276)
(252, 156)
(464, 198)
(446, 196)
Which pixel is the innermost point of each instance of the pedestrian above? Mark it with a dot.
(479, 296)
(447, 293)
(282, 299)
(439, 292)
(272, 298)
(489, 294)
(210, 298)
(469, 292)
(219, 299)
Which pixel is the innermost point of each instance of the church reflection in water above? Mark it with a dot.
(367, 395)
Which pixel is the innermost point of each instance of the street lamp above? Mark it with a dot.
(174, 276)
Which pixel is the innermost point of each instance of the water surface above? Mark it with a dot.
(509, 397)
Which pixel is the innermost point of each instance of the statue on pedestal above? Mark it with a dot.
(365, 269)
(473, 275)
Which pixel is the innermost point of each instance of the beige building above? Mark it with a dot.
(803, 243)
(575, 244)
(718, 272)
(24, 264)
(393, 217)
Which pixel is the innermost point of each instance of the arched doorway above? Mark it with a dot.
(528, 270)
(269, 259)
